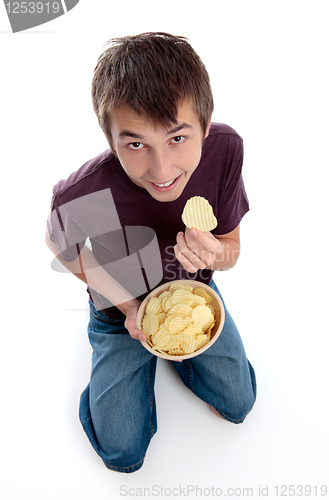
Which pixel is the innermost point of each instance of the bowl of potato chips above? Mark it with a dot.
(181, 319)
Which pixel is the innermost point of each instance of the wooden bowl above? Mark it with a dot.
(215, 332)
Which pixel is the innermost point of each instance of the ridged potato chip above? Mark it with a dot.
(162, 317)
(191, 330)
(198, 329)
(154, 305)
(161, 337)
(179, 295)
(201, 341)
(196, 300)
(208, 327)
(174, 341)
(150, 324)
(167, 304)
(202, 293)
(188, 343)
(178, 324)
(164, 295)
(181, 309)
(198, 214)
(202, 315)
(179, 321)
(176, 286)
(176, 352)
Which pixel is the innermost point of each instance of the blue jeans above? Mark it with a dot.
(117, 408)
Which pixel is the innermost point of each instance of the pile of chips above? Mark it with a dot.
(179, 321)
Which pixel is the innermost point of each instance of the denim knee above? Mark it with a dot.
(127, 461)
(127, 455)
(124, 449)
(237, 410)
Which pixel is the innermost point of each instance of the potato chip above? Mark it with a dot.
(164, 295)
(201, 341)
(190, 330)
(174, 341)
(188, 343)
(181, 309)
(178, 324)
(176, 352)
(211, 309)
(201, 315)
(162, 317)
(153, 305)
(202, 293)
(161, 337)
(198, 329)
(179, 295)
(196, 300)
(198, 214)
(148, 341)
(208, 327)
(167, 304)
(167, 321)
(161, 351)
(176, 286)
(150, 324)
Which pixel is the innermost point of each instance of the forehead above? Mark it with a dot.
(124, 120)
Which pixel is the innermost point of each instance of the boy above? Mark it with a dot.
(152, 96)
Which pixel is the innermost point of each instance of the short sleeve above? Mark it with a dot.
(72, 221)
(233, 203)
(68, 237)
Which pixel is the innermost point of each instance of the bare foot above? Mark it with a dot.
(216, 412)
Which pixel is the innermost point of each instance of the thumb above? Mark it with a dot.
(131, 326)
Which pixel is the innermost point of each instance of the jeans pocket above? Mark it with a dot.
(101, 323)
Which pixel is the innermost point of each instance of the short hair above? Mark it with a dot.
(152, 73)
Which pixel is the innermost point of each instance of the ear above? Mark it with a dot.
(207, 131)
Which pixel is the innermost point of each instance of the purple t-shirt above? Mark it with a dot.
(132, 234)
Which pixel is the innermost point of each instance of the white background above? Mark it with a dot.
(268, 66)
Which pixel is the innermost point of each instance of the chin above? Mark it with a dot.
(167, 196)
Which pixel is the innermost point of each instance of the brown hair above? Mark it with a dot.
(152, 73)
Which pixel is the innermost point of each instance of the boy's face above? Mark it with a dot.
(159, 160)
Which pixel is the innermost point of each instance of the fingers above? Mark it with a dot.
(186, 262)
(204, 239)
(134, 332)
(130, 324)
(188, 257)
(196, 250)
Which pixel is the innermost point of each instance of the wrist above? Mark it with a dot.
(227, 256)
(128, 307)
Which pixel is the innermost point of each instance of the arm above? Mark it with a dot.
(199, 250)
(87, 268)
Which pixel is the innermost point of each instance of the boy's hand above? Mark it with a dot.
(130, 323)
(130, 309)
(196, 249)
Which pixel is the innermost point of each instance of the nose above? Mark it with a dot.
(160, 166)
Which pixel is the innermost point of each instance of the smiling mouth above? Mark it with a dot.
(166, 184)
(163, 187)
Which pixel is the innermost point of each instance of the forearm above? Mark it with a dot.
(227, 256)
(88, 269)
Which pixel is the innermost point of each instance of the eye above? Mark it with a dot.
(135, 145)
(178, 139)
